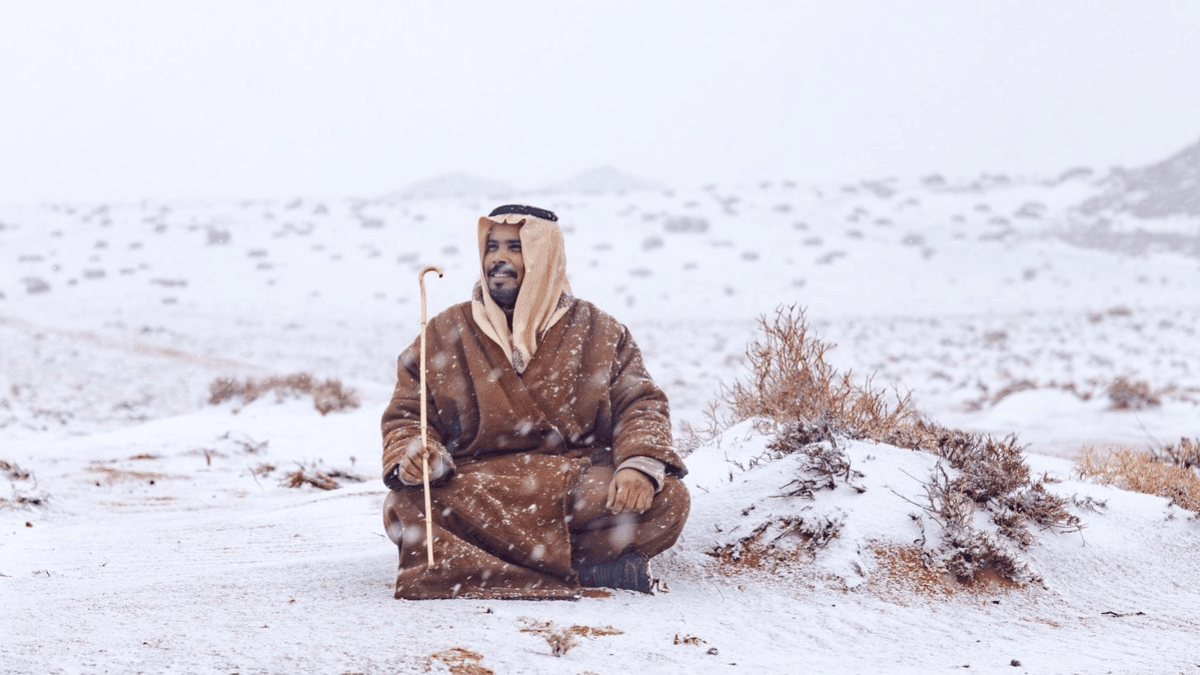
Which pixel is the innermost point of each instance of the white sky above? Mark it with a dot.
(221, 99)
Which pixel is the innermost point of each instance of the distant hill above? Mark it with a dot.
(600, 180)
(451, 186)
(1168, 188)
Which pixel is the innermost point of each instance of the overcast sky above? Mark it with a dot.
(105, 99)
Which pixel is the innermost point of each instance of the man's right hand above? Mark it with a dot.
(411, 470)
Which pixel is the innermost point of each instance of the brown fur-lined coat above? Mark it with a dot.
(586, 388)
(584, 398)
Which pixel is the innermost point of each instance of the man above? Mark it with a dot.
(549, 446)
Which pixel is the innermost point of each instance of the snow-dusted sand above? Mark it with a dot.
(164, 540)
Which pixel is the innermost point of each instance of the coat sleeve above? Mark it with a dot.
(401, 422)
(641, 414)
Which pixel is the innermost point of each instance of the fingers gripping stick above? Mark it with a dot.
(424, 423)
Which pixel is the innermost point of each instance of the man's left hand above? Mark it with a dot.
(630, 491)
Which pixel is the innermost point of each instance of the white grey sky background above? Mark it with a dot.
(217, 99)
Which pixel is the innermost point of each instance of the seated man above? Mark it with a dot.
(549, 446)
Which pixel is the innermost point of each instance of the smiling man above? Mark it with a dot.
(549, 448)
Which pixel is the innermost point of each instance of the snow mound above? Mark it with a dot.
(742, 500)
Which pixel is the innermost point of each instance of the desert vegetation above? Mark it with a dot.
(1169, 472)
(328, 395)
(794, 393)
(25, 492)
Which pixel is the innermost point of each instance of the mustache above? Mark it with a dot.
(502, 269)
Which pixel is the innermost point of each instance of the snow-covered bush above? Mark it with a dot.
(793, 393)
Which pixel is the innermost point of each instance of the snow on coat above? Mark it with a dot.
(520, 443)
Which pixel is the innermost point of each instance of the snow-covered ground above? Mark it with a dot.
(165, 541)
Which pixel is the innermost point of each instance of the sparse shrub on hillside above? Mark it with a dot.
(25, 492)
(35, 285)
(1033, 210)
(327, 396)
(651, 243)
(1185, 454)
(686, 224)
(215, 236)
(1128, 395)
(1142, 472)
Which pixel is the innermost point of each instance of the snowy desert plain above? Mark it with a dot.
(143, 529)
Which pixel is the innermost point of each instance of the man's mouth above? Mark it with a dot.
(502, 272)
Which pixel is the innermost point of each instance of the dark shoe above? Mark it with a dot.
(630, 572)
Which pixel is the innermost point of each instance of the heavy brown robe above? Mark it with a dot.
(521, 443)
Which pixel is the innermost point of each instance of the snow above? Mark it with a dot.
(166, 541)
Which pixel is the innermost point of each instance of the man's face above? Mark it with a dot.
(503, 264)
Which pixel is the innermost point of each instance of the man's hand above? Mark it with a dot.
(411, 470)
(630, 491)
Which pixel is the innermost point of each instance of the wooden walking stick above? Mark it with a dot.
(424, 422)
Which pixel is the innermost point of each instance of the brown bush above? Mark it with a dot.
(1141, 472)
(1126, 395)
(790, 381)
(777, 544)
(1186, 454)
(327, 396)
(25, 492)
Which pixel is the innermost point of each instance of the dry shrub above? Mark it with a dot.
(975, 556)
(113, 475)
(823, 464)
(25, 492)
(1141, 472)
(462, 661)
(13, 472)
(968, 554)
(324, 480)
(327, 396)
(901, 570)
(772, 545)
(1013, 388)
(1186, 454)
(992, 476)
(790, 380)
(562, 640)
(1127, 395)
(806, 402)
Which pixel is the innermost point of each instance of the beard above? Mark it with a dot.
(505, 297)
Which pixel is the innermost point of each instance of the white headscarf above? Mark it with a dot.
(545, 294)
